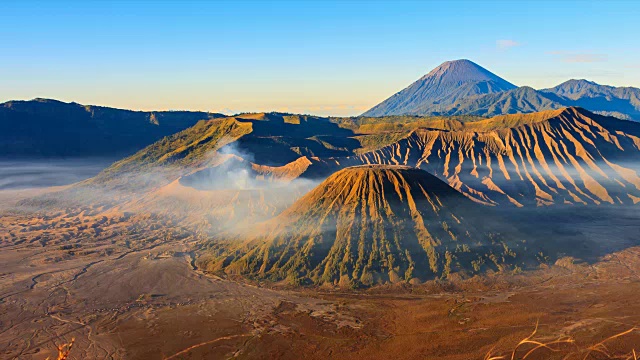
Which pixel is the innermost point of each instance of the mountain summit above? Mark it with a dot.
(461, 71)
(462, 87)
(441, 87)
(573, 87)
(370, 225)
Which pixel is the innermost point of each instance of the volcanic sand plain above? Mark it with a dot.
(127, 287)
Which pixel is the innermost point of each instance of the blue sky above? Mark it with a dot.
(337, 58)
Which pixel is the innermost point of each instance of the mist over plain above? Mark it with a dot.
(35, 173)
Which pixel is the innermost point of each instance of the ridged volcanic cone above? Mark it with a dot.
(370, 224)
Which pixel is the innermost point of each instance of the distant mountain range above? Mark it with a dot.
(364, 201)
(391, 206)
(462, 87)
(50, 128)
(564, 156)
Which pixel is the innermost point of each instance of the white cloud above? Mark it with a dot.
(505, 44)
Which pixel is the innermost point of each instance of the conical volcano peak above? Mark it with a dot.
(463, 70)
(442, 87)
(370, 185)
(368, 225)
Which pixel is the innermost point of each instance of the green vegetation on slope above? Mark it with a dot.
(188, 147)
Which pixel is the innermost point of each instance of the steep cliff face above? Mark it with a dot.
(370, 224)
(553, 157)
(565, 156)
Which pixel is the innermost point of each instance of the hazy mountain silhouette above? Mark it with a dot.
(50, 128)
(520, 100)
(622, 102)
